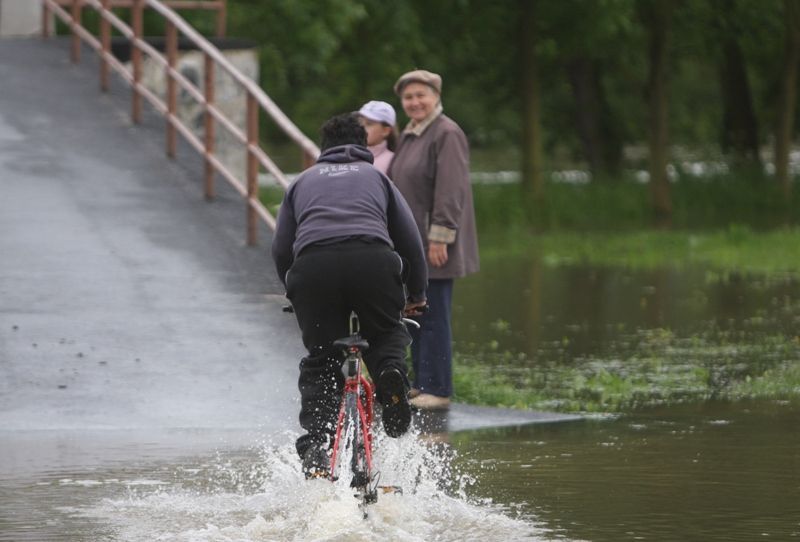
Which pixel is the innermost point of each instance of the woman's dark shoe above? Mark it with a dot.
(393, 397)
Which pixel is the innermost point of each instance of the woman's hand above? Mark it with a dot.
(437, 254)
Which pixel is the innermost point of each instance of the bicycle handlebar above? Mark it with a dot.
(406, 321)
(409, 321)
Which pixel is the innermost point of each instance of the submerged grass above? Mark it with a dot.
(677, 371)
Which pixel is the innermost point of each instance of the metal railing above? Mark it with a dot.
(257, 100)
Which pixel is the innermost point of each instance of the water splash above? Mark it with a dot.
(263, 496)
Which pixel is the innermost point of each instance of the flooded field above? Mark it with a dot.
(610, 338)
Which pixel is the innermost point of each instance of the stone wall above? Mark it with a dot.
(20, 18)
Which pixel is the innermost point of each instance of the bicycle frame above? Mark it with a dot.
(356, 410)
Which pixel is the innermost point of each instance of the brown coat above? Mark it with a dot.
(432, 172)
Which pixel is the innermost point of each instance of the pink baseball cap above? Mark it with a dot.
(378, 112)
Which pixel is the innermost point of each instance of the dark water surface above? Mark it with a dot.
(717, 471)
(524, 305)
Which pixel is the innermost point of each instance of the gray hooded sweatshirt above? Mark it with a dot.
(343, 196)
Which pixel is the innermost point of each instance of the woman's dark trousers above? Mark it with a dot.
(431, 348)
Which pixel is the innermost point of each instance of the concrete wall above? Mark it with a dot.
(230, 99)
(20, 18)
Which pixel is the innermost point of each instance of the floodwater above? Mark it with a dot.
(713, 472)
(704, 469)
(256, 493)
(693, 467)
(525, 306)
(691, 333)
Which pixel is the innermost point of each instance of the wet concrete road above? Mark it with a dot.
(127, 302)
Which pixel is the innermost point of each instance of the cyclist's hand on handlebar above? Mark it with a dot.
(414, 308)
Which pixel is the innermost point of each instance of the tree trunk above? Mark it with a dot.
(532, 181)
(739, 125)
(658, 17)
(786, 105)
(602, 148)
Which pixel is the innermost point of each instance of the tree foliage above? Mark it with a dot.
(318, 58)
(723, 73)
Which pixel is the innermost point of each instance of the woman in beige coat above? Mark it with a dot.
(431, 170)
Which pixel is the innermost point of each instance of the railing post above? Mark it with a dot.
(252, 168)
(136, 60)
(45, 20)
(105, 42)
(77, 11)
(222, 17)
(172, 88)
(210, 128)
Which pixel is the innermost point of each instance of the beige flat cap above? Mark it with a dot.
(433, 80)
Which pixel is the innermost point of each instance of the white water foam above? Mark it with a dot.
(269, 500)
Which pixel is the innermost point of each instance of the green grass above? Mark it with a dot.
(625, 205)
(737, 248)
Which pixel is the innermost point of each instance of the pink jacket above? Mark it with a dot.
(383, 156)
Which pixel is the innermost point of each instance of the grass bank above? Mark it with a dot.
(735, 248)
(624, 204)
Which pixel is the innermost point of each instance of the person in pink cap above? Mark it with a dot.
(379, 119)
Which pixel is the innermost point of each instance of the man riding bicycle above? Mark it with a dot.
(346, 241)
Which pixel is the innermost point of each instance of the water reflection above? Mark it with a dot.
(600, 339)
(525, 306)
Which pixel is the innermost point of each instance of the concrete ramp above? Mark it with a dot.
(130, 306)
(462, 417)
(128, 302)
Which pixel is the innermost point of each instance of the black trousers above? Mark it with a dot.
(325, 284)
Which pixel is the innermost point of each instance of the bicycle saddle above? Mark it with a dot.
(352, 341)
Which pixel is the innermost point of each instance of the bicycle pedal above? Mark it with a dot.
(397, 490)
(371, 497)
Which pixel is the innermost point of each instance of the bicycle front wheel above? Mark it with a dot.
(358, 459)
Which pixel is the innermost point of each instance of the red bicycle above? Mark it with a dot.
(353, 435)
